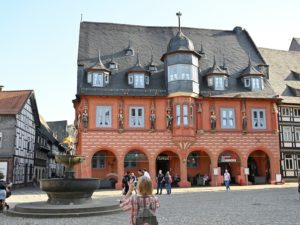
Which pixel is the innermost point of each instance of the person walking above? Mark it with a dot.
(146, 173)
(168, 182)
(227, 179)
(159, 180)
(144, 200)
(125, 181)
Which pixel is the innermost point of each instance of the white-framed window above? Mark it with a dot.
(297, 112)
(255, 83)
(103, 116)
(139, 80)
(210, 82)
(130, 79)
(219, 83)
(98, 79)
(99, 160)
(106, 78)
(228, 118)
(1, 139)
(285, 111)
(178, 115)
(185, 115)
(191, 114)
(182, 72)
(147, 80)
(258, 119)
(247, 82)
(298, 162)
(288, 161)
(136, 117)
(297, 134)
(287, 133)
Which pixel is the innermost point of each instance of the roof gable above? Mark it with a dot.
(11, 102)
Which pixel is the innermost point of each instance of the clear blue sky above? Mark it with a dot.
(39, 39)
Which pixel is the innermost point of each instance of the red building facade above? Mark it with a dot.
(174, 108)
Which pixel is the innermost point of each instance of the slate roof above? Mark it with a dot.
(235, 45)
(11, 102)
(282, 68)
(59, 128)
(295, 45)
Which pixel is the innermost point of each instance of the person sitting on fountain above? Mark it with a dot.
(143, 200)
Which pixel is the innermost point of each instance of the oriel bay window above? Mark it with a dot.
(187, 115)
(136, 117)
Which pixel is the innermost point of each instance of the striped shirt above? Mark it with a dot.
(133, 202)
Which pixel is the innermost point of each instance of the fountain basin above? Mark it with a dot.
(63, 191)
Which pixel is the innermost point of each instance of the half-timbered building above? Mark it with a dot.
(285, 80)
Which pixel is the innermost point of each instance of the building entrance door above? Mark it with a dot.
(162, 163)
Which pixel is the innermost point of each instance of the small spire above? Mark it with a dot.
(112, 54)
(179, 14)
(249, 58)
(224, 63)
(138, 58)
(214, 61)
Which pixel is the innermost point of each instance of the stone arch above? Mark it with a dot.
(230, 159)
(259, 164)
(168, 159)
(198, 165)
(136, 158)
(103, 164)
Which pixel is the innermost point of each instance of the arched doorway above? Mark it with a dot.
(259, 167)
(231, 161)
(104, 166)
(169, 161)
(198, 168)
(135, 160)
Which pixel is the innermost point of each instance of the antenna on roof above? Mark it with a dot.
(179, 14)
(81, 17)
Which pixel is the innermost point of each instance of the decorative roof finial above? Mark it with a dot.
(179, 14)
(99, 58)
(249, 57)
(224, 63)
(138, 58)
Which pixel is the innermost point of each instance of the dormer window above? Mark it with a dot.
(113, 66)
(129, 50)
(138, 80)
(152, 68)
(254, 83)
(98, 79)
(217, 83)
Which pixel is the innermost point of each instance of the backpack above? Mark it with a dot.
(145, 216)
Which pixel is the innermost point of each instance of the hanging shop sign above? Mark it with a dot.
(163, 157)
(228, 157)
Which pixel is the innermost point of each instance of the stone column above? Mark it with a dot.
(120, 160)
(152, 170)
(216, 180)
(183, 173)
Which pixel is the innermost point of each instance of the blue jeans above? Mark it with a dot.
(227, 184)
(159, 187)
(168, 187)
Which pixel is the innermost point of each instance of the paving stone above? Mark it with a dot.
(251, 205)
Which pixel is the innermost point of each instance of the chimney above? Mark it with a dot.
(1, 87)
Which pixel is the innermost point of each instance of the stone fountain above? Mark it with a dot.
(67, 196)
(69, 190)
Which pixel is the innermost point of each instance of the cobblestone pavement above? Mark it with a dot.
(251, 205)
